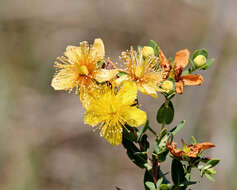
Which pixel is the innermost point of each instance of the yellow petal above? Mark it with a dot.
(112, 133)
(99, 47)
(121, 79)
(89, 96)
(65, 79)
(134, 116)
(73, 53)
(127, 93)
(103, 75)
(148, 89)
(92, 119)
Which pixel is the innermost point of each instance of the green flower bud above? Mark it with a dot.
(200, 60)
(148, 51)
(167, 85)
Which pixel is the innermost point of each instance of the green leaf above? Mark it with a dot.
(165, 113)
(132, 151)
(177, 128)
(177, 172)
(190, 182)
(193, 140)
(213, 162)
(200, 52)
(154, 45)
(128, 133)
(147, 166)
(164, 187)
(209, 177)
(118, 188)
(144, 142)
(163, 132)
(211, 171)
(160, 144)
(207, 64)
(159, 182)
(147, 178)
(162, 156)
(160, 148)
(150, 185)
(142, 130)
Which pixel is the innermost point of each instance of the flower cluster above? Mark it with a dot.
(108, 93)
(109, 96)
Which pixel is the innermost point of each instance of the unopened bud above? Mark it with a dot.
(147, 51)
(167, 85)
(200, 60)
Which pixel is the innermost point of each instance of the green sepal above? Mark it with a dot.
(171, 93)
(200, 52)
(121, 73)
(177, 172)
(100, 63)
(208, 63)
(165, 114)
(154, 45)
(117, 188)
(177, 128)
(185, 72)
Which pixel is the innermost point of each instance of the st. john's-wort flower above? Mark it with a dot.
(191, 151)
(110, 110)
(78, 67)
(142, 69)
(175, 70)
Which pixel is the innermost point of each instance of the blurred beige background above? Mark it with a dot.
(44, 144)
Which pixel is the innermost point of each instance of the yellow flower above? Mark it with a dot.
(78, 67)
(143, 71)
(111, 110)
